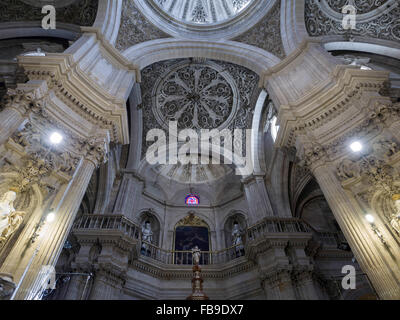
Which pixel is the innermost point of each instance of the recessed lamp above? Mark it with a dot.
(56, 138)
(50, 217)
(370, 218)
(356, 146)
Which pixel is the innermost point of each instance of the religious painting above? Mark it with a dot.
(186, 238)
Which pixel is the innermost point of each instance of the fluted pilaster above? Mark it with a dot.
(371, 253)
(56, 233)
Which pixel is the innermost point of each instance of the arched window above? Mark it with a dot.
(274, 128)
(192, 200)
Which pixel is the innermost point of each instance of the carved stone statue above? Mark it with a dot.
(196, 255)
(237, 238)
(10, 219)
(147, 236)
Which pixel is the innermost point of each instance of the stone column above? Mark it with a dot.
(372, 255)
(305, 285)
(128, 194)
(54, 234)
(10, 120)
(18, 102)
(75, 288)
(106, 286)
(257, 198)
(277, 285)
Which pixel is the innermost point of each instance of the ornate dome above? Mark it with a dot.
(202, 11)
(202, 19)
(193, 173)
(55, 3)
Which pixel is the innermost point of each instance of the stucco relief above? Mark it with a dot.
(79, 12)
(197, 94)
(382, 25)
(135, 28)
(267, 33)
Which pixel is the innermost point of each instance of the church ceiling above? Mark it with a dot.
(267, 33)
(78, 12)
(363, 6)
(198, 94)
(190, 173)
(135, 28)
(202, 11)
(324, 18)
(145, 20)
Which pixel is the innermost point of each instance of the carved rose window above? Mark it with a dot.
(197, 96)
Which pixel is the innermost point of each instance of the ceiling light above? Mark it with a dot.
(56, 138)
(50, 217)
(370, 218)
(356, 146)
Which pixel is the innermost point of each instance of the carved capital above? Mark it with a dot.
(276, 276)
(24, 101)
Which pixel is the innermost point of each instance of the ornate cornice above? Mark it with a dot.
(169, 272)
(112, 53)
(79, 92)
(349, 88)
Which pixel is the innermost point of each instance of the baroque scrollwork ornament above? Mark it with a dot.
(395, 218)
(23, 101)
(382, 24)
(10, 219)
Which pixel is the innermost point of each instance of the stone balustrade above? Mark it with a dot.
(276, 225)
(108, 222)
(180, 257)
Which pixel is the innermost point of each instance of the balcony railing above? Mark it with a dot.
(276, 225)
(185, 257)
(266, 227)
(108, 222)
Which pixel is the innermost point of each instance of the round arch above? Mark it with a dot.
(149, 52)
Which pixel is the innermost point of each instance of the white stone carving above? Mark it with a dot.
(10, 219)
(395, 219)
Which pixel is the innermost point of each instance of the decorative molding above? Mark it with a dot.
(135, 28)
(267, 33)
(81, 13)
(236, 101)
(321, 20)
(63, 76)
